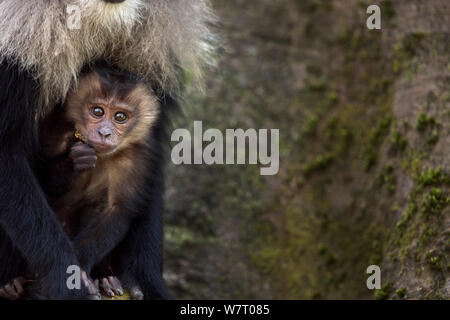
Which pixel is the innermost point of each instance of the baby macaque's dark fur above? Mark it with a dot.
(101, 200)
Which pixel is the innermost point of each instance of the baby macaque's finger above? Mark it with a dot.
(78, 146)
(85, 160)
(83, 167)
(77, 153)
(84, 163)
(82, 147)
(80, 151)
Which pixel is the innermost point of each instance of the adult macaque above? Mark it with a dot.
(41, 57)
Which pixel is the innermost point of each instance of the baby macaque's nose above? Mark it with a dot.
(104, 132)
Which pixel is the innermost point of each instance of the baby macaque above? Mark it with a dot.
(97, 151)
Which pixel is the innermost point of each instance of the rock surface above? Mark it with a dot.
(364, 156)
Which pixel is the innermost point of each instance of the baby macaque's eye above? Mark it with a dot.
(97, 112)
(120, 117)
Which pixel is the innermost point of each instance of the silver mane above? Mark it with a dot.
(152, 38)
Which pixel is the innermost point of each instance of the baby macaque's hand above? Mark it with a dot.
(83, 156)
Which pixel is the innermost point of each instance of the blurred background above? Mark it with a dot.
(364, 156)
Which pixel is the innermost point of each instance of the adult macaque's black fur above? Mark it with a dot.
(32, 242)
(40, 59)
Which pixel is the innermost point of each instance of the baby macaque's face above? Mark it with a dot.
(110, 112)
(106, 124)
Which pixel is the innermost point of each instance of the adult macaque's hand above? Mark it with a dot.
(14, 289)
(94, 293)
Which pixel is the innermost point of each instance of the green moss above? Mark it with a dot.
(412, 209)
(384, 292)
(313, 245)
(435, 201)
(370, 159)
(317, 85)
(267, 258)
(311, 125)
(387, 9)
(401, 293)
(435, 260)
(376, 136)
(333, 97)
(331, 259)
(387, 178)
(319, 163)
(376, 253)
(423, 122)
(322, 249)
(430, 99)
(179, 236)
(427, 233)
(433, 138)
(399, 142)
(339, 136)
(309, 28)
(405, 50)
(405, 124)
(381, 128)
(446, 95)
(299, 182)
(433, 177)
(433, 295)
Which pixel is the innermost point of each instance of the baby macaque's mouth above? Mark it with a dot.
(98, 147)
(101, 147)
